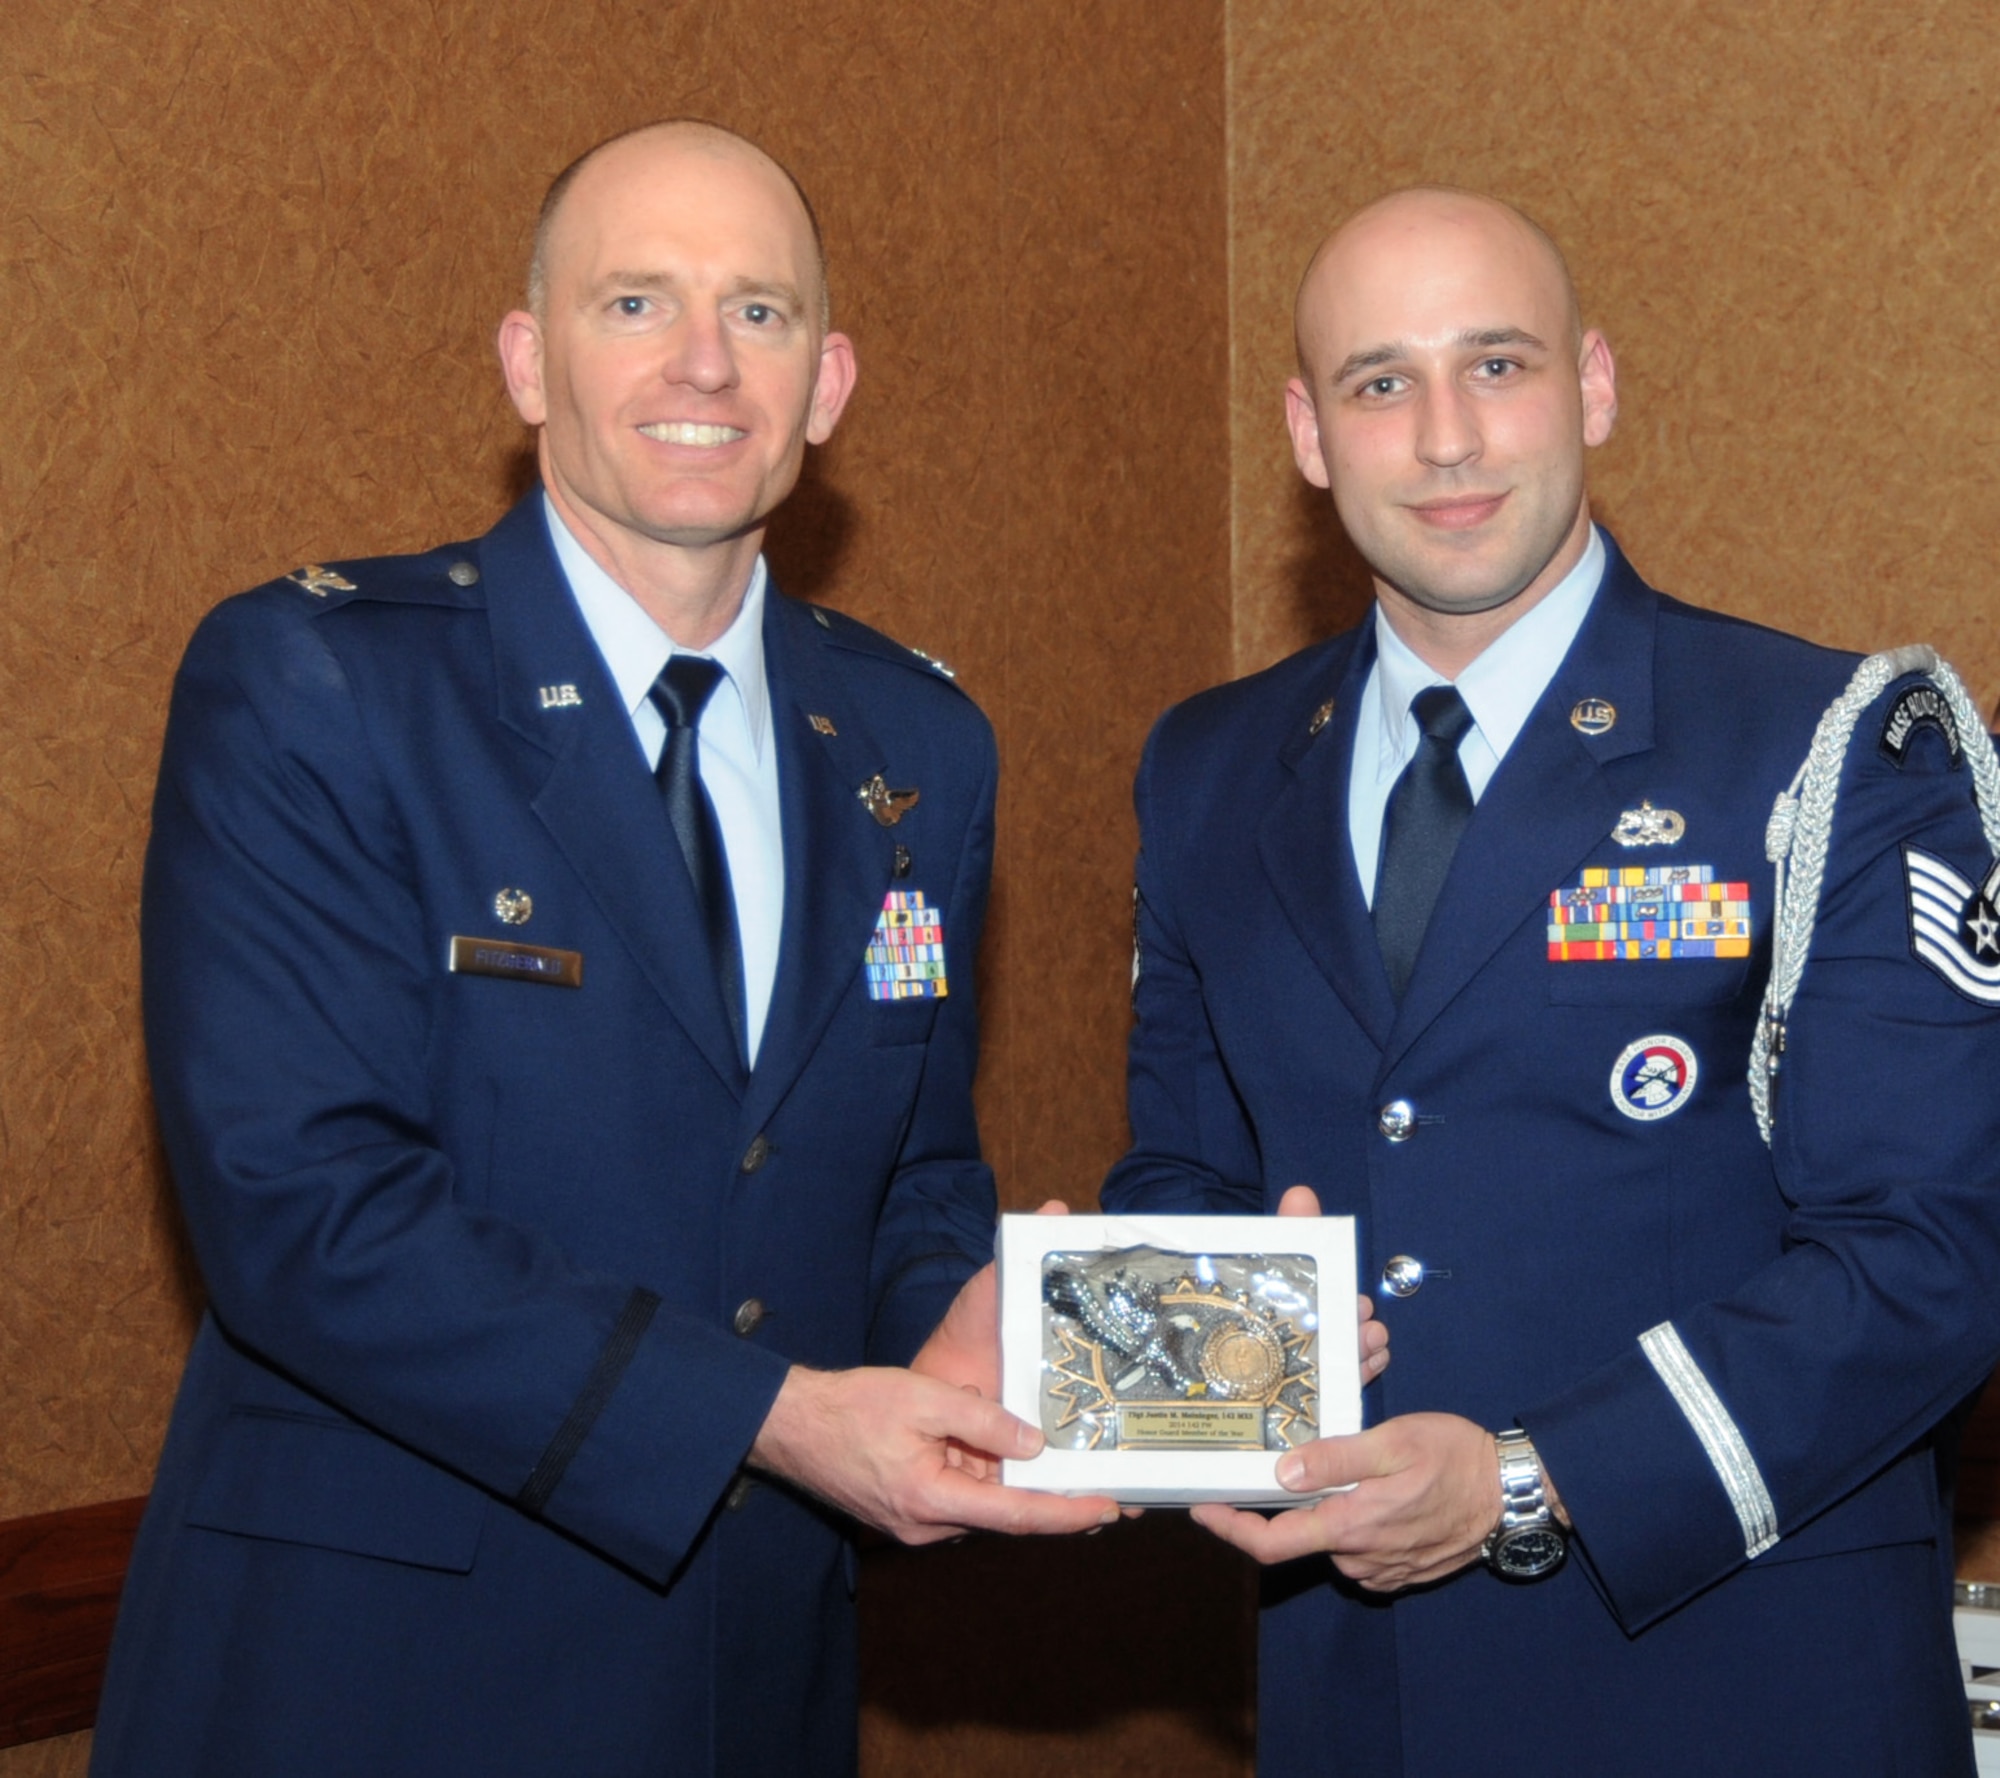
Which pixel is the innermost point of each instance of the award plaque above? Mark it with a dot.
(1170, 1359)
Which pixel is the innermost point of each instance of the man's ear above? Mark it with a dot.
(1598, 376)
(1302, 421)
(520, 346)
(837, 371)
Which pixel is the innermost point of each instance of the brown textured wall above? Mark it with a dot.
(253, 253)
(1782, 215)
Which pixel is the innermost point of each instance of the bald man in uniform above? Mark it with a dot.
(1462, 920)
(559, 992)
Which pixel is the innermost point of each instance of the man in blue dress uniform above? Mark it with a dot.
(1462, 920)
(558, 982)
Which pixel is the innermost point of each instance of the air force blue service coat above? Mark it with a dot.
(1730, 1357)
(505, 1273)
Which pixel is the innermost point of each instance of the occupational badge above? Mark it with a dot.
(1653, 1078)
(1648, 914)
(513, 907)
(905, 958)
(1648, 826)
(1955, 925)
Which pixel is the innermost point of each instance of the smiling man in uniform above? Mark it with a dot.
(1463, 919)
(559, 992)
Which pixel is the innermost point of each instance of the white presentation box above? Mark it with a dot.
(1175, 1359)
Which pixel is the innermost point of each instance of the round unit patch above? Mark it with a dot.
(1653, 1078)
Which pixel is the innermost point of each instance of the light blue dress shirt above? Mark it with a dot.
(739, 761)
(1500, 688)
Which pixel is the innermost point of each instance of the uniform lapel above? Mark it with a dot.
(597, 800)
(1548, 806)
(838, 860)
(1309, 857)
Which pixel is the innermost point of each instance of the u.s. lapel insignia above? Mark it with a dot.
(1648, 826)
(1955, 925)
(822, 725)
(513, 906)
(886, 805)
(1320, 718)
(905, 958)
(1653, 1078)
(320, 581)
(560, 697)
(1654, 913)
(1593, 716)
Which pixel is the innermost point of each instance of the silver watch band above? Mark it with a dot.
(1524, 1495)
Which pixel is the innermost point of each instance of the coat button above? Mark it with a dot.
(749, 1316)
(1403, 1276)
(1397, 1120)
(462, 574)
(739, 1493)
(756, 1154)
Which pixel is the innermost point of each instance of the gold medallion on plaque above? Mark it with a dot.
(1243, 1359)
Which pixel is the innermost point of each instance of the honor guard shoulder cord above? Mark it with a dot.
(1801, 826)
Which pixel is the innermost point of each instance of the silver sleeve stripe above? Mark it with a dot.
(1735, 1468)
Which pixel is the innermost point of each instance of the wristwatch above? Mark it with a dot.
(1528, 1542)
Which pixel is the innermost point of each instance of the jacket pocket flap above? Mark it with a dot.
(302, 1480)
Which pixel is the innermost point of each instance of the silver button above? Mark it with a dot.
(756, 1154)
(749, 1316)
(739, 1493)
(462, 574)
(1403, 1276)
(1397, 1120)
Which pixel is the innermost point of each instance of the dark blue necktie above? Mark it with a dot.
(679, 694)
(1428, 809)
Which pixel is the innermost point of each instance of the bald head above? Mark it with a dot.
(1446, 397)
(1389, 233)
(694, 136)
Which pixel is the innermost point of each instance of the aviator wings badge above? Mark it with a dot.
(886, 805)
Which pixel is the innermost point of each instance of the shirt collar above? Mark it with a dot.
(636, 649)
(1504, 683)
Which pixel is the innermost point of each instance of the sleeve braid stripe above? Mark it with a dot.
(1735, 1468)
(592, 1399)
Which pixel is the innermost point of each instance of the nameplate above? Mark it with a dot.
(516, 963)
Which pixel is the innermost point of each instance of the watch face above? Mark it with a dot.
(1528, 1553)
